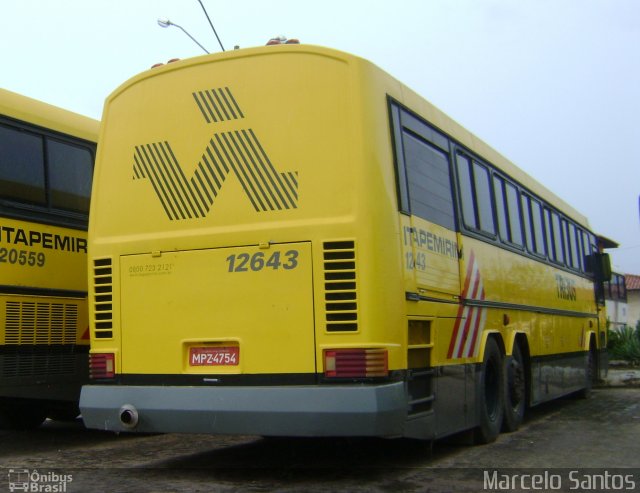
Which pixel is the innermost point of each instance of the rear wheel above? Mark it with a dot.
(491, 394)
(591, 372)
(515, 391)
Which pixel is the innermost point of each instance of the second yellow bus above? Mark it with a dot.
(46, 168)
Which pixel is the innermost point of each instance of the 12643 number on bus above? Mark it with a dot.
(259, 261)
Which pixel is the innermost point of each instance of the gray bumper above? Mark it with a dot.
(343, 410)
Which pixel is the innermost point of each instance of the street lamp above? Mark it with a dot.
(166, 23)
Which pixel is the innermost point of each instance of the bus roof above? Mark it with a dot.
(409, 98)
(48, 116)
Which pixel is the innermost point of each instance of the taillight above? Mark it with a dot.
(101, 365)
(355, 363)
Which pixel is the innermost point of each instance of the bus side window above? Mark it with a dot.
(508, 211)
(422, 169)
(21, 166)
(557, 238)
(536, 214)
(475, 194)
(484, 203)
(501, 209)
(573, 246)
(429, 181)
(70, 172)
(513, 208)
(400, 168)
(465, 184)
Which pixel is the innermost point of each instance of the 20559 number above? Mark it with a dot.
(259, 261)
(21, 257)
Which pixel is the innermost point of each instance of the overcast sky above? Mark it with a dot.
(554, 85)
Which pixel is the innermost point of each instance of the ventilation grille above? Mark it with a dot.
(29, 323)
(340, 289)
(38, 361)
(102, 298)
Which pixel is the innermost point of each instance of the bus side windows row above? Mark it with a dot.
(44, 171)
(523, 221)
(491, 205)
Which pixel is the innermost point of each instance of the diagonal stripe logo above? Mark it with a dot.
(217, 105)
(238, 153)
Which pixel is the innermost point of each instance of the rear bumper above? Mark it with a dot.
(345, 410)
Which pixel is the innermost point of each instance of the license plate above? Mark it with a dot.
(214, 356)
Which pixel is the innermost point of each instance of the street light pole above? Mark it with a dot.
(166, 23)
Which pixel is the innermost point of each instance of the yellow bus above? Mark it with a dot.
(286, 240)
(46, 168)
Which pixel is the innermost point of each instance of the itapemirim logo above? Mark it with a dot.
(34, 481)
(237, 152)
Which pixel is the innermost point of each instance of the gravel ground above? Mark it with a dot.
(593, 437)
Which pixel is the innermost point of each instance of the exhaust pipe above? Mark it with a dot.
(129, 416)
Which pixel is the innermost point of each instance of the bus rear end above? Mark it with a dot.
(224, 242)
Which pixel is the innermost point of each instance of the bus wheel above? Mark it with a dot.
(490, 394)
(591, 372)
(515, 391)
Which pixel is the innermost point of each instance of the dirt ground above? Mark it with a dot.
(568, 443)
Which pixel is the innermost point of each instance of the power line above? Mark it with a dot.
(211, 24)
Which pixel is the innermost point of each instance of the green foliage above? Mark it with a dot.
(624, 344)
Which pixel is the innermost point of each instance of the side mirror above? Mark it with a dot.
(603, 267)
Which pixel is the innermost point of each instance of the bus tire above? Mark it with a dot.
(515, 394)
(591, 372)
(490, 394)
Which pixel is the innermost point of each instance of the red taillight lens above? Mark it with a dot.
(101, 365)
(356, 363)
